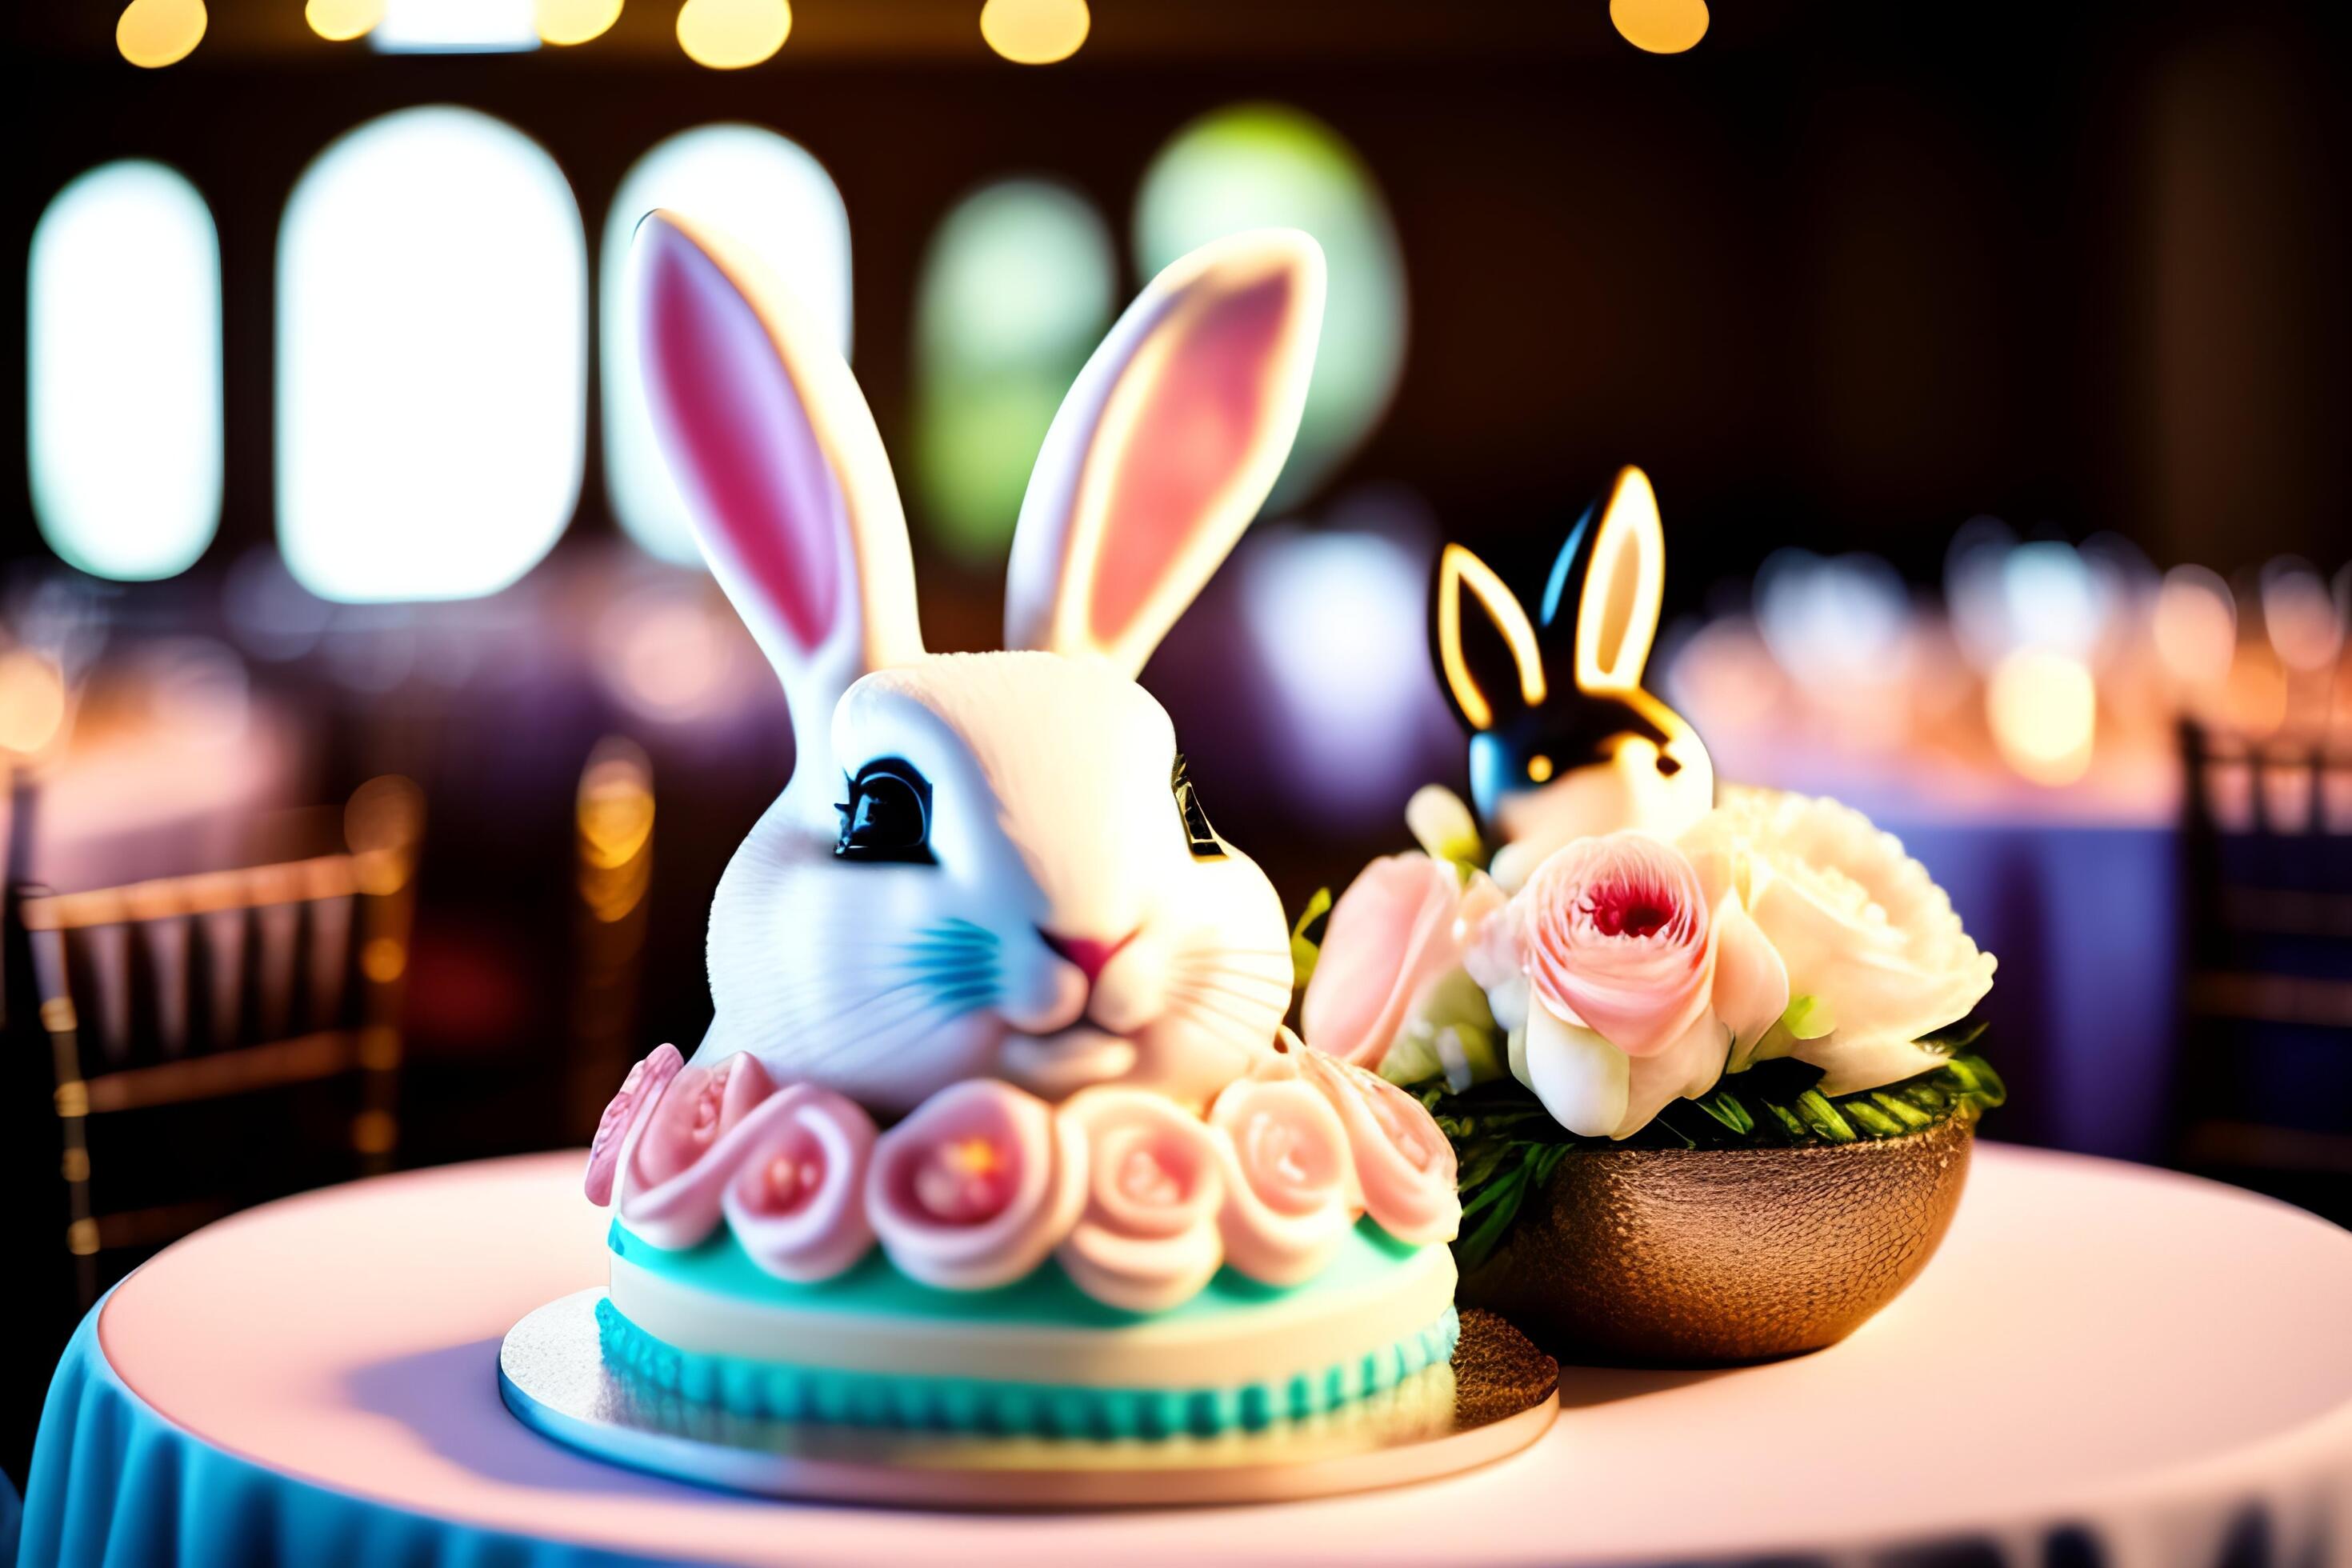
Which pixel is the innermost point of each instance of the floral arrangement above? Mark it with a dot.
(1141, 1199)
(1781, 971)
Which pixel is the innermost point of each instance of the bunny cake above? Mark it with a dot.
(997, 1127)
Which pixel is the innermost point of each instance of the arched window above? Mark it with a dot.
(123, 385)
(432, 359)
(767, 195)
(1016, 292)
(1256, 165)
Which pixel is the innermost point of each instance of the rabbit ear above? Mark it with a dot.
(1601, 606)
(783, 472)
(1486, 648)
(1165, 447)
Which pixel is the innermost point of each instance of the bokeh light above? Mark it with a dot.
(2195, 626)
(455, 28)
(432, 361)
(123, 371)
(2299, 615)
(1359, 718)
(156, 33)
(1660, 27)
(2042, 707)
(1034, 32)
(1016, 290)
(1260, 165)
(32, 701)
(767, 196)
(569, 21)
(729, 35)
(339, 21)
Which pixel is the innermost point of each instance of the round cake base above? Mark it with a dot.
(1498, 1395)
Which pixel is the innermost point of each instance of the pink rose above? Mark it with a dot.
(678, 1160)
(1614, 934)
(976, 1187)
(1290, 1193)
(700, 1105)
(1148, 1239)
(797, 1198)
(1404, 1165)
(639, 1090)
(1399, 929)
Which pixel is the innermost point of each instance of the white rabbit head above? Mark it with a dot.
(984, 864)
(1564, 740)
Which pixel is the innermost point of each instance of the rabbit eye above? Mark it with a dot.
(1198, 835)
(888, 816)
(1668, 767)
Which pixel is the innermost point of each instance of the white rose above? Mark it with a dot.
(1860, 925)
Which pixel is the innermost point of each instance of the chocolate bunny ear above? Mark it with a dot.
(1485, 646)
(1601, 605)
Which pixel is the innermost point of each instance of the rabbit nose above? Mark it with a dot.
(1091, 954)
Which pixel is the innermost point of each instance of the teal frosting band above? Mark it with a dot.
(783, 1391)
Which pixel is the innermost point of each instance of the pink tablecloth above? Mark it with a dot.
(2102, 1359)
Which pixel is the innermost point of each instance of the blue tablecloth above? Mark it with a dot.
(2087, 921)
(114, 1483)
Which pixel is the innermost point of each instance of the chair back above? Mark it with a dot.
(175, 1009)
(2265, 1085)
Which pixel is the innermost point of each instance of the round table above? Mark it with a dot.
(2105, 1365)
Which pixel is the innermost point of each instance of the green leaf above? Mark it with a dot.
(1866, 1115)
(1903, 1110)
(1807, 1017)
(1305, 948)
(1823, 1117)
(1725, 1106)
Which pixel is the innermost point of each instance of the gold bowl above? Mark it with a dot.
(1698, 1256)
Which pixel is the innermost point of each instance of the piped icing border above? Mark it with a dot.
(1139, 1199)
(784, 1390)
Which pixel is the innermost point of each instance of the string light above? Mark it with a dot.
(1660, 27)
(727, 35)
(1034, 32)
(156, 33)
(572, 21)
(339, 21)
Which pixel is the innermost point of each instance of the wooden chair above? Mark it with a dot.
(194, 990)
(2265, 1081)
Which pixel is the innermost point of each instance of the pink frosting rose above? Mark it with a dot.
(1404, 1165)
(1613, 931)
(1399, 929)
(796, 1199)
(976, 1185)
(678, 1160)
(1290, 1194)
(1148, 1239)
(639, 1090)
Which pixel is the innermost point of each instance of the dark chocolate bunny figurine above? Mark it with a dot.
(1564, 741)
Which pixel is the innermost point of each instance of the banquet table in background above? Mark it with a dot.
(2085, 916)
(2104, 1364)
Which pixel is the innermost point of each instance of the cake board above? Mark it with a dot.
(1498, 1394)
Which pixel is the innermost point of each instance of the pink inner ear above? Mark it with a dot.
(738, 440)
(1198, 426)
